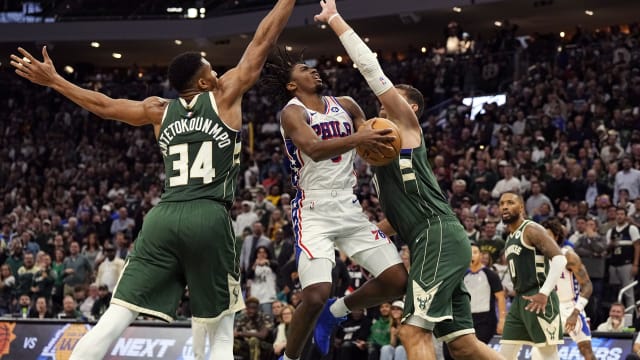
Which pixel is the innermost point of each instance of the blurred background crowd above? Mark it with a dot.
(74, 189)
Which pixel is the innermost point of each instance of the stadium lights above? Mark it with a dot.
(177, 42)
(116, 55)
(424, 49)
(174, 9)
(588, 12)
(288, 48)
(323, 26)
(497, 23)
(95, 44)
(339, 59)
(562, 34)
(366, 39)
(457, 9)
(192, 13)
(203, 54)
(68, 69)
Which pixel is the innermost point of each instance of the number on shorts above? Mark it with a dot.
(202, 166)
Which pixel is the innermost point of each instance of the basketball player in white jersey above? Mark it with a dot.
(320, 136)
(574, 289)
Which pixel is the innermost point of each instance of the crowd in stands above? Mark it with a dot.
(75, 189)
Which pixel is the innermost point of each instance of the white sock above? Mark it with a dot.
(95, 343)
(339, 308)
(221, 338)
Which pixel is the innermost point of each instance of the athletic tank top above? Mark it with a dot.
(336, 173)
(409, 193)
(567, 287)
(201, 153)
(527, 266)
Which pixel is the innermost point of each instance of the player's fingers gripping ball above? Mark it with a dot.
(381, 153)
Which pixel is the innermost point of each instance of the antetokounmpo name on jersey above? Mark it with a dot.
(331, 129)
(182, 126)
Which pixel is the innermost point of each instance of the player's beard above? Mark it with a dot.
(510, 219)
(320, 88)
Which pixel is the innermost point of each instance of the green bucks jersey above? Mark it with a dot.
(201, 153)
(527, 266)
(409, 193)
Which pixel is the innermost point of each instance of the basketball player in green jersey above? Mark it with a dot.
(187, 238)
(534, 316)
(436, 301)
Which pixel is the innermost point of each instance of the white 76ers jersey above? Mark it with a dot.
(336, 173)
(567, 286)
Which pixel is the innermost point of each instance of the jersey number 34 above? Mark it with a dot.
(202, 166)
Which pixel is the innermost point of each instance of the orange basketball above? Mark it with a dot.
(380, 156)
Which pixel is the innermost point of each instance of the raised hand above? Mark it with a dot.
(328, 10)
(30, 68)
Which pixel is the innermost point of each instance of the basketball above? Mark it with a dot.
(381, 156)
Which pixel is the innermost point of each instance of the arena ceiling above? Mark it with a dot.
(388, 33)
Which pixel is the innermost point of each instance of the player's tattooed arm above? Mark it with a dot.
(536, 235)
(574, 263)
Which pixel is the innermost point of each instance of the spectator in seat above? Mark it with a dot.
(591, 188)
(395, 350)
(123, 222)
(251, 244)
(380, 332)
(41, 310)
(351, 336)
(70, 310)
(508, 181)
(7, 286)
(262, 276)
(102, 303)
(490, 241)
(615, 322)
(110, 268)
(252, 331)
(281, 335)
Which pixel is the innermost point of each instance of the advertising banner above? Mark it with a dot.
(603, 348)
(55, 341)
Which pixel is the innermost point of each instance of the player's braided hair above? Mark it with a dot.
(277, 75)
(556, 228)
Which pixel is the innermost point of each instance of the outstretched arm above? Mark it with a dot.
(395, 105)
(240, 79)
(44, 73)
